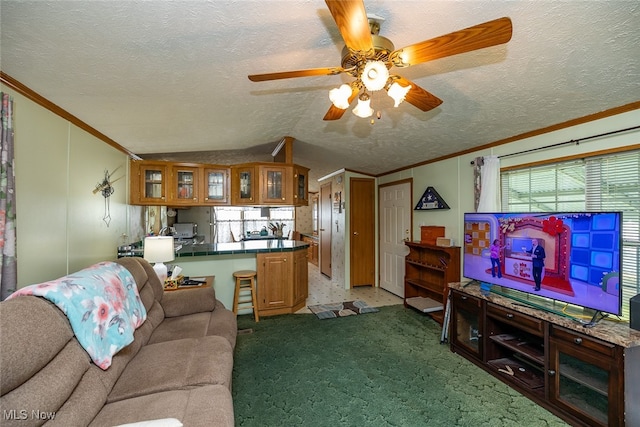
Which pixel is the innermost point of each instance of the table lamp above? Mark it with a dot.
(159, 249)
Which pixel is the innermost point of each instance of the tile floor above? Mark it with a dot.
(323, 290)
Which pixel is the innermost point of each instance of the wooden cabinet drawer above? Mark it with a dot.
(468, 302)
(514, 318)
(583, 341)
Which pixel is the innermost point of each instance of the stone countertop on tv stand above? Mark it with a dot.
(618, 333)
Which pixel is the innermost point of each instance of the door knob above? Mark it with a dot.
(355, 233)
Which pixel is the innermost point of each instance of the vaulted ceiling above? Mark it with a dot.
(171, 76)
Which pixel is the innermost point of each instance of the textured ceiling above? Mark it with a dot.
(171, 76)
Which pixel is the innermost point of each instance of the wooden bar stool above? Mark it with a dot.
(246, 281)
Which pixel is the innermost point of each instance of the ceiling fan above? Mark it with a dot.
(368, 57)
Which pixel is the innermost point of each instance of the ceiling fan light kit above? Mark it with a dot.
(368, 57)
(363, 109)
(375, 75)
(340, 96)
(398, 93)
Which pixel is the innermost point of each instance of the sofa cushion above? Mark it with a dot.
(221, 322)
(203, 406)
(190, 326)
(85, 402)
(102, 304)
(188, 302)
(41, 334)
(224, 323)
(174, 365)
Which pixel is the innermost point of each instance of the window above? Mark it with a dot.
(233, 222)
(603, 183)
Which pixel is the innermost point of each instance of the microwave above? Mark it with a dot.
(185, 230)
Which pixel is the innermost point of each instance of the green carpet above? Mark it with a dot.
(387, 369)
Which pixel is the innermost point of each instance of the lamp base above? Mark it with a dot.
(161, 271)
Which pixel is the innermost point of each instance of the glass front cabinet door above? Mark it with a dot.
(185, 184)
(466, 324)
(216, 186)
(275, 185)
(243, 185)
(153, 184)
(585, 377)
(301, 183)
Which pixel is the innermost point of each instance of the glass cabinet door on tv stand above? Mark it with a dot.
(585, 377)
(467, 325)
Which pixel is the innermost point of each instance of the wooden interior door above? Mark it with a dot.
(362, 228)
(324, 232)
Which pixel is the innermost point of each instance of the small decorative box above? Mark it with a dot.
(430, 233)
(171, 284)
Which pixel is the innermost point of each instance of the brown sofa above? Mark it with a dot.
(179, 365)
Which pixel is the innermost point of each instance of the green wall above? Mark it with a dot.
(60, 227)
(453, 178)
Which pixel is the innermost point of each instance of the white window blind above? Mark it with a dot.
(603, 183)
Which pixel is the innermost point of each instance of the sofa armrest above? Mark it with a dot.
(190, 301)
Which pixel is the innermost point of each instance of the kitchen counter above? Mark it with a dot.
(244, 247)
(310, 236)
(222, 259)
(252, 246)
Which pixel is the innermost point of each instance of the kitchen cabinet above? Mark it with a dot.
(312, 252)
(160, 183)
(243, 185)
(274, 279)
(282, 282)
(185, 185)
(301, 184)
(269, 184)
(300, 280)
(148, 183)
(215, 186)
(586, 376)
(276, 184)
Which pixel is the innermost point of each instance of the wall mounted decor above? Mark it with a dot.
(431, 200)
(105, 188)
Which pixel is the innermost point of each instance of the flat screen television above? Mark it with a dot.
(582, 255)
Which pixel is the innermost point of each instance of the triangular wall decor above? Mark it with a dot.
(431, 200)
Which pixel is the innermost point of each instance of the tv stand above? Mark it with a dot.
(586, 376)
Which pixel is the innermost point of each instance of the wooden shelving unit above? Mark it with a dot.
(428, 271)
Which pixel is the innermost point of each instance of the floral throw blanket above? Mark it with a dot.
(102, 304)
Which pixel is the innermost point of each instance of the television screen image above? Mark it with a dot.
(570, 257)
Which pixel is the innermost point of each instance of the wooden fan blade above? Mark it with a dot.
(351, 19)
(419, 97)
(330, 71)
(488, 34)
(334, 112)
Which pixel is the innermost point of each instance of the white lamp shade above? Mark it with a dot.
(375, 75)
(398, 93)
(363, 109)
(340, 96)
(159, 249)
